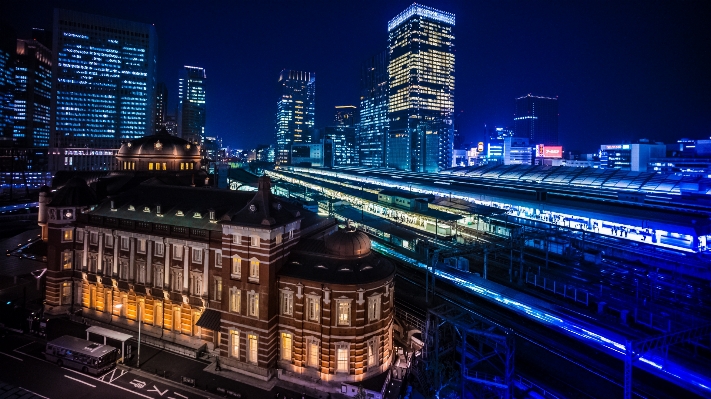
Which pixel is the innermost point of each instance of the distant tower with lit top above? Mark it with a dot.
(295, 112)
(191, 104)
(421, 89)
(536, 119)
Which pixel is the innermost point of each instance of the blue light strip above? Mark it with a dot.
(572, 327)
(423, 11)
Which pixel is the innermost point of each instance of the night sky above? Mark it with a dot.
(622, 70)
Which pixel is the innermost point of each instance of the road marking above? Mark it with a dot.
(155, 389)
(78, 380)
(14, 357)
(113, 377)
(182, 396)
(34, 393)
(38, 358)
(14, 350)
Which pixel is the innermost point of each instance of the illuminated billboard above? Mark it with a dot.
(549, 151)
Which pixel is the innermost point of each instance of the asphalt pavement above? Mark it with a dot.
(161, 374)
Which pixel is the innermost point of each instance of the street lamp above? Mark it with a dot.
(140, 321)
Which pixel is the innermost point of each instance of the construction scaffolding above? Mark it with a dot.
(483, 351)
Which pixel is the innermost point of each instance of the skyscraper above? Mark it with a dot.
(295, 111)
(536, 118)
(8, 43)
(421, 92)
(372, 129)
(33, 80)
(345, 115)
(161, 106)
(103, 70)
(191, 104)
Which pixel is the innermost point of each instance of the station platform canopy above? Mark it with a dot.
(466, 207)
(111, 334)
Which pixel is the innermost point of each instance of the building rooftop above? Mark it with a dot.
(354, 262)
(190, 206)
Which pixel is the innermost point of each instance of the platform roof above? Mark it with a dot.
(105, 332)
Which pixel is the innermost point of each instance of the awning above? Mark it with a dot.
(105, 332)
(209, 319)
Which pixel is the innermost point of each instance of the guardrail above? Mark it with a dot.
(536, 388)
(564, 290)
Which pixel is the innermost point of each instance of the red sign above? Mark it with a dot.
(553, 151)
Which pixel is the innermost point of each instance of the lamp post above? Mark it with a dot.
(138, 313)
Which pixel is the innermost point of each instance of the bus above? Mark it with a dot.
(80, 354)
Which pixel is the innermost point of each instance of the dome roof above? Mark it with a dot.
(159, 145)
(348, 243)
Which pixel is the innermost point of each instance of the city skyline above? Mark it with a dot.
(612, 65)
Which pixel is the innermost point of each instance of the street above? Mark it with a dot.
(24, 369)
(23, 366)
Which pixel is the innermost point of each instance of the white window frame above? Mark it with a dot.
(287, 303)
(343, 318)
(160, 249)
(141, 273)
(372, 355)
(286, 350)
(141, 246)
(313, 305)
(254, 241)
(195, 283)
(374, 304)
(65, 293)
(67, 259)
(177, 252)
(235, 300)
(68, 235)
(253, 304)
(236, 239)
(176, 279)
(216, 288)
(108, 240)
(125, 243)
(197, 255)
(313, 347)
(343, 348)
(234, 344)
(254, 270)
(94, 238)
(252, 348)
(218, 258)
(236, 267)
(79, 235)
(158, 274)
(279, 238)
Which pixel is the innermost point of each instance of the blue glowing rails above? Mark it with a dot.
(423, 11)
(575, 328)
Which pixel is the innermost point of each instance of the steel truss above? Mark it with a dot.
(636, 349)
(486, 351)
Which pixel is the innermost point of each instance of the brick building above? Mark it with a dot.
(249, 276)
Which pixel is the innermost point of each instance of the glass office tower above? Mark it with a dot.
(536, 119)
(191, 104)
(161, 106)
(421, 92)
(8, 43)
(33, 87)
(295, 112)
(104, 87)
(372, 128)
